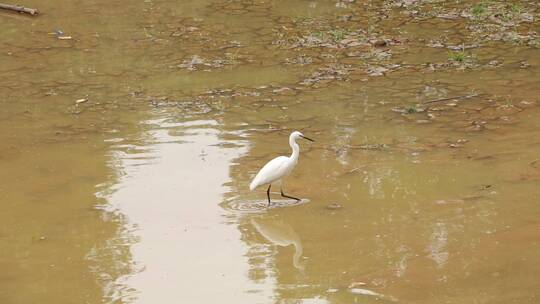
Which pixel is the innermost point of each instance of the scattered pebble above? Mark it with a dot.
(356, 284)
(366, 292)
(332, 290)
(379, 43)
(334, 206)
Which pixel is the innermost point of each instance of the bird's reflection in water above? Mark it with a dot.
(278, 232)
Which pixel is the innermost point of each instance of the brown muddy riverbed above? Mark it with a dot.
(130, 133)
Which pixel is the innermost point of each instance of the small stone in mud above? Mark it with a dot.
(356, 284)
(281, 90)
(527, 103)
(449, 201)
(376, 71)
(334, 206)
(524, 65)
(332, 290)
(379, 43)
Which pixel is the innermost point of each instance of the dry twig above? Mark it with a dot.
(20, 9)
(453, 98)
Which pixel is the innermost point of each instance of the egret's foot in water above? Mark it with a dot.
(292, 197)
(284, 203)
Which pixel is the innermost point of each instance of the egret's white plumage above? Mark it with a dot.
(273, 171)
(279, 167)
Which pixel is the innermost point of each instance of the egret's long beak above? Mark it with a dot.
(306, 138)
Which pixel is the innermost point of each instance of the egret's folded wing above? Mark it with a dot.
(272, 171)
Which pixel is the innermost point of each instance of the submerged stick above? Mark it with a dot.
(452, 98)
(18, 8)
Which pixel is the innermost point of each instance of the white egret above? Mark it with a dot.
(278, 168)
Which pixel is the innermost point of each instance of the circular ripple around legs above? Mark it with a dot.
(256, 206)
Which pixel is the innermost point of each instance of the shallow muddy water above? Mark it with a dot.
(130, 133)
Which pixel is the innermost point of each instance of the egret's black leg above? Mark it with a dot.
(285, 195)
(268, 194)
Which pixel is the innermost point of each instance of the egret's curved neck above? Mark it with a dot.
(295, 149)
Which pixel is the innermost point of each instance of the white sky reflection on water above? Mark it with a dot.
(170, 192)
